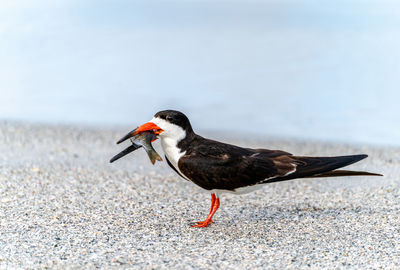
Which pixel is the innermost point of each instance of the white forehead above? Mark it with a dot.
(160, 122)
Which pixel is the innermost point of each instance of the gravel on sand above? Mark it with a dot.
(63, 205)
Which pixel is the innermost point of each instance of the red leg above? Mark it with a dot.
(215, 203)
(213, 198)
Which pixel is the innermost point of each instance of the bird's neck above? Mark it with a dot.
(175, 147)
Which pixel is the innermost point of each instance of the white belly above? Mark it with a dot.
(237, 191)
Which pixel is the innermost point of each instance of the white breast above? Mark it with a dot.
(170, 138)
(172, 151)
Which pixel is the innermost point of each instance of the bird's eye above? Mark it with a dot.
(169, 118)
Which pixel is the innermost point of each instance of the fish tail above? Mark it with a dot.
(153, 155)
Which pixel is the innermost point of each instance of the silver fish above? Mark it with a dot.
(144, 140)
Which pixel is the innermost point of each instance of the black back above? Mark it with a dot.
(215, 165)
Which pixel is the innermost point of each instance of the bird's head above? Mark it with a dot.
(166, 124)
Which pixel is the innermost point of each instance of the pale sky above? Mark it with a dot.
(299, 68)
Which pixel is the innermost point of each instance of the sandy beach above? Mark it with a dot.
(63, 205)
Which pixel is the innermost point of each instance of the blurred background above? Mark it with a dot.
(309, 69)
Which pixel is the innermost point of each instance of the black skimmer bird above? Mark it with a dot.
(219, 167)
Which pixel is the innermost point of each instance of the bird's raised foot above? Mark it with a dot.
(201, 224)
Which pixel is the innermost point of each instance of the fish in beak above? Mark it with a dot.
(149, 127)
(141, 136)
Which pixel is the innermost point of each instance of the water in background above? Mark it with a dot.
(325, 70)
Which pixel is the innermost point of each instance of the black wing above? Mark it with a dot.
(215, 165)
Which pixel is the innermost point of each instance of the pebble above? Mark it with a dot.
(64, 206)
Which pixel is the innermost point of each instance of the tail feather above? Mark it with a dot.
(310, 167)
(336, 173)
